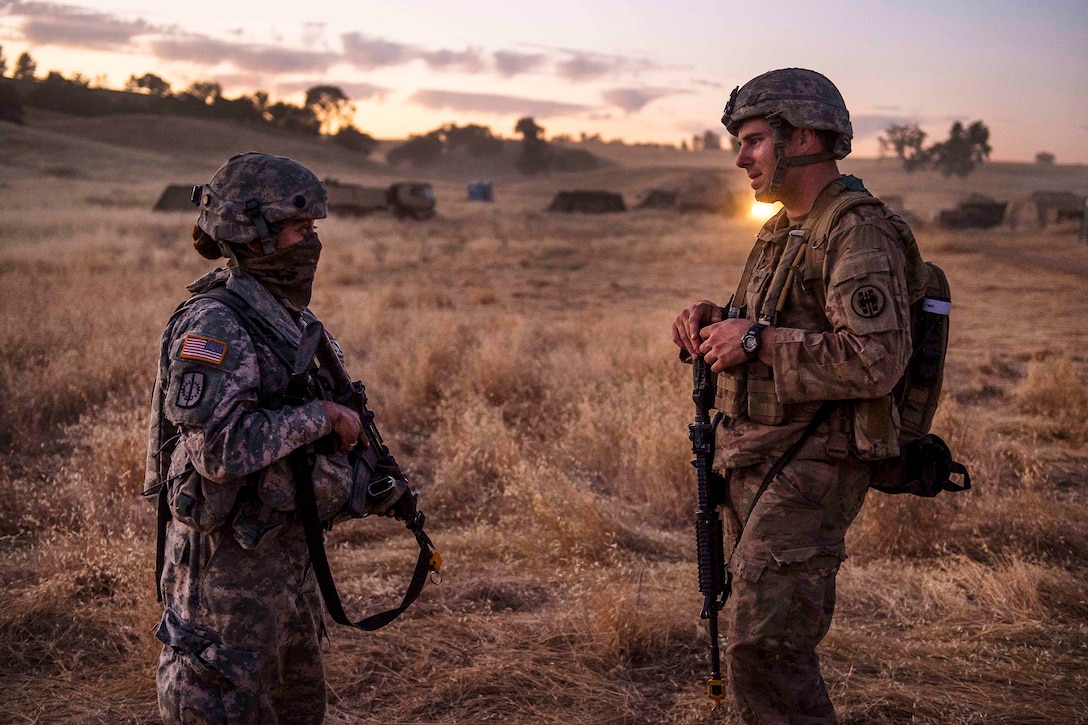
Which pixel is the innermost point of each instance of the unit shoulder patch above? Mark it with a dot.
(190, 390)
(868, 301)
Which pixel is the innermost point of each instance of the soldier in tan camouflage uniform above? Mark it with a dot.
(840, 333)
(242, 626)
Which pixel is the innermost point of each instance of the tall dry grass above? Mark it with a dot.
(521, 368)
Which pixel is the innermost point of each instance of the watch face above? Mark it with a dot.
(750, 342)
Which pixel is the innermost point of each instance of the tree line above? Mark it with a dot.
(965, 148)
(326, 110)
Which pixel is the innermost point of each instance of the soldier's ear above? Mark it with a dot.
(806, 141)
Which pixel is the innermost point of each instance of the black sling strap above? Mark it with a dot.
(823, 413)
(307, 509)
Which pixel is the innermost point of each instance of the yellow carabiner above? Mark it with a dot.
(715, 690)
(436, 568)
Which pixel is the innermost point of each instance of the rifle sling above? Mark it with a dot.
(306, 503)
(823, 413)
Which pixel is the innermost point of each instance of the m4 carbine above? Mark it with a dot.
(714, 580)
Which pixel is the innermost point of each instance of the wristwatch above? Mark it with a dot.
(750, 342)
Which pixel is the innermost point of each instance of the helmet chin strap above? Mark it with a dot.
(778, 134)
(253, 211)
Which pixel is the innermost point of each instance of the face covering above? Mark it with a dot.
(286, 273)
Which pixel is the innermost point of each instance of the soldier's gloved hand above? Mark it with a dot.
(345, 424)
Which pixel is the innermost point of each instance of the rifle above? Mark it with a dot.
(379, 485)
(714, 581)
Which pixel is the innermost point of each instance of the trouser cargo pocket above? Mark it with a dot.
(202, 679)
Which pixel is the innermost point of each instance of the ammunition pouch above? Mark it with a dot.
(204, 505)
(731, 396)
(763, 405)
(748, 390)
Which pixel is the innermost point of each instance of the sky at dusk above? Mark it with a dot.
(641, 70)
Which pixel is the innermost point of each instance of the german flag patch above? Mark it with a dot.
(204, 349)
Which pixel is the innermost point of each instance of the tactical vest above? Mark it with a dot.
(869, 429)
(207, 507)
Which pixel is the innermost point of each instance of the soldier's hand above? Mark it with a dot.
(685, 329)
(345, 424)
(721, 344)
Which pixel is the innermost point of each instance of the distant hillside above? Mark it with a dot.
(201, 141)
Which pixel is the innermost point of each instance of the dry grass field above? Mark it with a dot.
(520, 364)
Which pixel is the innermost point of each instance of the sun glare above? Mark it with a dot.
(762, 212)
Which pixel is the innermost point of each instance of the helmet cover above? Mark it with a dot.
(253, 190)
(803, 98)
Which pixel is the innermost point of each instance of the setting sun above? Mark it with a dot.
(762, 212)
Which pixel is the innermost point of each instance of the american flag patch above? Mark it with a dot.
(205, 349)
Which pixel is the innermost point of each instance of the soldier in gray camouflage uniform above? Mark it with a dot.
(242, 626)
(841, 333)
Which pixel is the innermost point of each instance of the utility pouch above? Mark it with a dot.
(731, 396)
(763, 405)
(841, 436)
(256, 525)
(876, 428)
(202, 504)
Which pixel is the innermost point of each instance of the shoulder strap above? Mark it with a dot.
(738, 301)
(255, 325)
(818, 226)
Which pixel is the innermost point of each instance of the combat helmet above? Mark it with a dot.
(252, 194)
(803, 99)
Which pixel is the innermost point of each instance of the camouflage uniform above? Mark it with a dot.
(243, 621)
(842, 334)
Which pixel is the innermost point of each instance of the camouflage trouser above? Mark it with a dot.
(241, 632)
(784, 585)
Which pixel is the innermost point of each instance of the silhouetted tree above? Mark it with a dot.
(417, 150)
(475, 139)
(3, 62)
(1044, 158)
(260, 100)
(242, 108)
(964, 149)
(330, 106)
(712, 141)
(148, 83)
(534, 149)
(906, 141)
(204, 92)
(293, 118)
(355, 140)
(25, 67)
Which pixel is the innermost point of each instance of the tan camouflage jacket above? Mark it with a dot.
(220, 387)
(842, 334)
